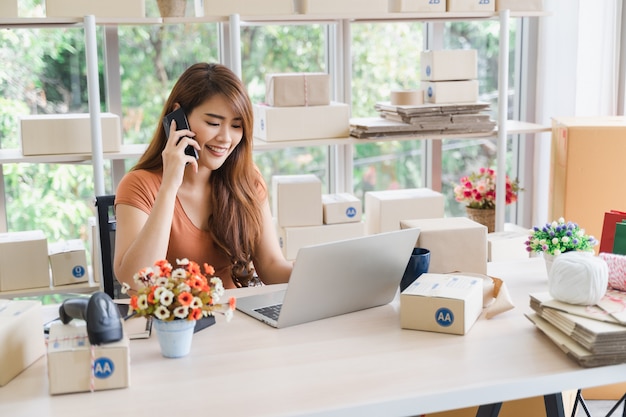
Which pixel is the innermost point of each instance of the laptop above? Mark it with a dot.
(336, 278)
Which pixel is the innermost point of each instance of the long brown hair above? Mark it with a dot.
(236, 189)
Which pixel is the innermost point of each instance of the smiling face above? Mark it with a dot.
(218, 130)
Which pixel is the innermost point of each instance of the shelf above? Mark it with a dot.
(42, 22)
(12, 156)
(82, 288)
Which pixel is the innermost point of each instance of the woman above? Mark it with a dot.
(214, 209)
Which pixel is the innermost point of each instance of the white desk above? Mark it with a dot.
(358, 364)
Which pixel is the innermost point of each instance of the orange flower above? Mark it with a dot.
(133, 303)
(208, 269)
(232, 303)
(185, 298)
(195, 314)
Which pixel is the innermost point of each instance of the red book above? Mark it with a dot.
(611, 218)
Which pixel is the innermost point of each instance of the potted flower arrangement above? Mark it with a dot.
(177, 297)
(478, 192)
(558, 237)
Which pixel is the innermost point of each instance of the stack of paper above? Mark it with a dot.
(424, 119)
(591, 335)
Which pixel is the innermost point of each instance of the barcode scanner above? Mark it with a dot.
(104, 322)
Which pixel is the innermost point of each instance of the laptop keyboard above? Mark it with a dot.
(270, 311)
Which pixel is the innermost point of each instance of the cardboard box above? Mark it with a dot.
(291, 239)
(24, 260)
(444, 303)
(456, 244)
(417, 6)
(449, 65)
(68, 262)
(520, 5)
(249, 8)
(275, 124)
(54, 134)
(471, 5)
(8, 8)
(297, 200)
(444, 92)
(343, 6)
(99, 8)
(22, 340)
(69, 361)
(587, 155)
(341, 208)
(385, 209)
(297, 89)
(506, 246)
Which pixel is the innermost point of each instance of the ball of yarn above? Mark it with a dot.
(578, 278)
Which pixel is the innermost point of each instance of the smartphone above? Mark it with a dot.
(181, 123)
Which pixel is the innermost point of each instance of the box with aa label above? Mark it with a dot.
(54, 134)
(341, 208)
(384, 210)
(417, 6)
(24, 260)
(449, 64)
(21, 337)
(444, 303)
(471, 5)
(68, 262)
(275, 124)
(447, 92)
(297, 200)
(291, 239)
(98, 8)
(520, 6)
(70, 359)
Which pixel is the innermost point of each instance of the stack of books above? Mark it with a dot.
(590, 335)
(424, 119)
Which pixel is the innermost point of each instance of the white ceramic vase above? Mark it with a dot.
(174, 337)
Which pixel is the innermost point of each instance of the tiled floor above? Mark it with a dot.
(600, 408)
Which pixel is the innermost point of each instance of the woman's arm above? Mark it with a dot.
(269, 262)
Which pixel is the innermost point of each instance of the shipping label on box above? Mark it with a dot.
(417, 6)
(455, 243)
(471, 5)
(68, 262)
(22, 339)
(70, 362)
(291, 239)
(246, 7)
(449, 65)
(297, 200)
(444, 303)
(24, 260)
(99, 8)
(446, 92)
(385, 209)
(275, 124)
(297, 89)
(341, 208)
(54, 134)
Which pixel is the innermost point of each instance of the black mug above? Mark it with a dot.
(418, 265)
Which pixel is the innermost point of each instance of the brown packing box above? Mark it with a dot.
(417, 6)
(455, 243)
(291, 239)
(341, 208)
(54, 134)
(297, 200)
(22, 340)
(520, 5)
(247, 7)
(99, 8)
(471, 5)
(587, 156)
(8, 8)
(297, 89)
(68, 262)
(442, 303)
(70, 362)
(24, 261)
(341, 6)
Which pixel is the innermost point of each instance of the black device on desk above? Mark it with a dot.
(181, 124)
(104, 322)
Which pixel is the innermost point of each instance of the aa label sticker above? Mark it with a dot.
(444, 317)
(103, 368)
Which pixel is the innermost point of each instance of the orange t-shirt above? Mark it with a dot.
(139, 189)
